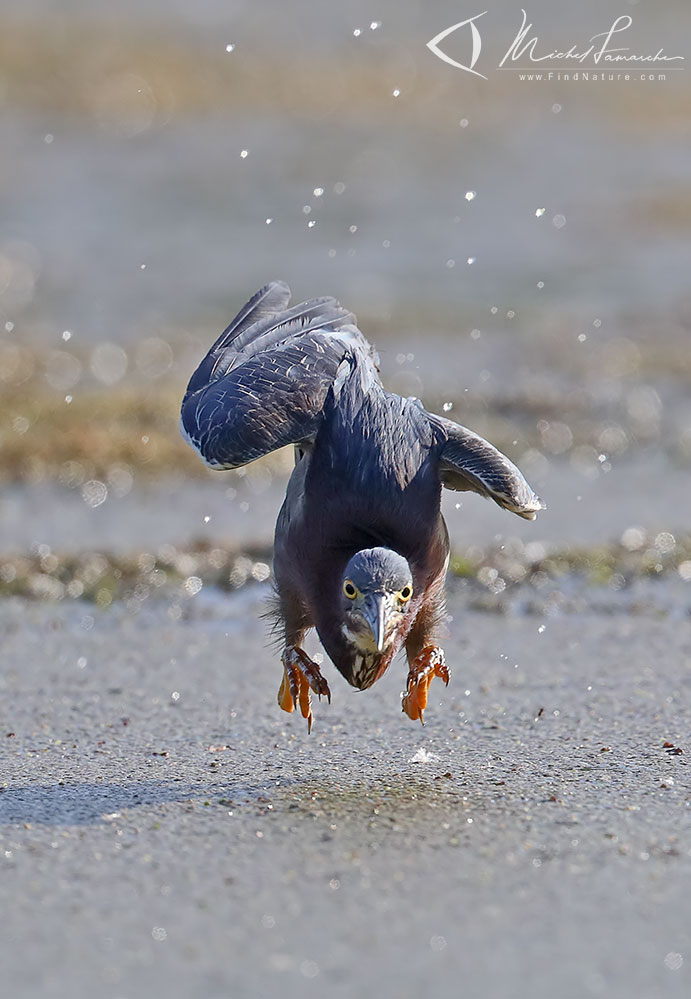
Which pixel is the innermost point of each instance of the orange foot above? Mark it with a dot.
(428, 664)
(300, 675)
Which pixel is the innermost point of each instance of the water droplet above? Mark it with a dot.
(539, 212)
(268, 221)
(556, 108)
(386, 243)
(470, 260)
(470, 195)
(510, 314)
(260, 571)
(309, 969)
(48, 138)
(541, 284)
(396, 92)
(665, 542)
(475, 334)
(357, 33)
(582, 337)
(463, 123)
(10, 326)
(494, 310)
(374, 25)
(142, 267)
(244, 153)
(447, 407)
(230, 47)
(311, 224)
(94, 492)
(450, 263)
(559, 221)
(318, 191)
(597, 323)
(541, 629)
(66, 335)
(352, 228)
(207, 519)
(306, 209)
(684, 570)
(339, 187)
(68, 399)
(108, 363)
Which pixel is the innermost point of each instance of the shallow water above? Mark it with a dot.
(129, 213)
(128, 205)
(582, 510)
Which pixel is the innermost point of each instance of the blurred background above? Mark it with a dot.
(519, 252)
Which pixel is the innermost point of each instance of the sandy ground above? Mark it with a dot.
(166, 830)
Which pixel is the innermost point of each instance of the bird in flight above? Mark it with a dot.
(361, 548)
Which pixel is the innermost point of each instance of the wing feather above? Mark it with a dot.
(469, 462)
(269, 301)
(265, 381)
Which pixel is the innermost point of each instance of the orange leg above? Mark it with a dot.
(300, 675)
(428, 664)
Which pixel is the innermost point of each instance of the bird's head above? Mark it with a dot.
(376, 589)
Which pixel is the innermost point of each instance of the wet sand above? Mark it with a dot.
(166, 830)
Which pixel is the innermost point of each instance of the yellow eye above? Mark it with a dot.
(350, 590)
(406, 593)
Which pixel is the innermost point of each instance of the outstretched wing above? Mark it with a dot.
(265, 381)
(469, 462)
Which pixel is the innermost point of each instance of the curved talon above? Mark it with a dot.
(428, 664)
(300, 675)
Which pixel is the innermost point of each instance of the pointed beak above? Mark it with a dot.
(376, 613)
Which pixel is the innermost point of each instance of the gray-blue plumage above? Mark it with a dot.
(370, 464)
(273, 374)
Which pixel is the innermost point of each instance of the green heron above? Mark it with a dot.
(361, 548)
